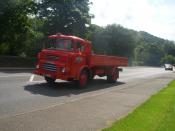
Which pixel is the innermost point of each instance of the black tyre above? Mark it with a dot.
(112, 78)
(83, 79)
(91, 77)
(49, 80)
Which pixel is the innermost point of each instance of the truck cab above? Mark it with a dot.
(64, 59)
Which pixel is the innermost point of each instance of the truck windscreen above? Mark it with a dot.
(61, 44)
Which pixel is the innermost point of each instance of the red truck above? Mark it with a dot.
(71, 58)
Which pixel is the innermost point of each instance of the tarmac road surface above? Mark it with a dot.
(28, 103)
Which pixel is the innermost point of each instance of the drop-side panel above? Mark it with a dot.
(103, 60)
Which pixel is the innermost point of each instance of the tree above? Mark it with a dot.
(168, 59)
(148, 54)
(140, 54)
(65, 16)
(15, 25)
(114, 40)
(92, 31)
(169, 48)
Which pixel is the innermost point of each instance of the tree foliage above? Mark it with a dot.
(65, 16)
(168, 59)
(15, 24)
(114, 40)
(148, 54)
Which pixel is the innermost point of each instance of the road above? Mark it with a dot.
(28, 103)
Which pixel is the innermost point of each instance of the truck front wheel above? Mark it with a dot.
(49, 80)
(112, 78)
(83, 79)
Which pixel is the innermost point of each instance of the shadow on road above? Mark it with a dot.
(67, 88)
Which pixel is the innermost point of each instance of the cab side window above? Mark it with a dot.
(80, 47)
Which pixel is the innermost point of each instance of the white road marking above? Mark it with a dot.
(5, 76)
(31, 78)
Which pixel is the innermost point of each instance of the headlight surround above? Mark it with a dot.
(37, 66)
(63, 70)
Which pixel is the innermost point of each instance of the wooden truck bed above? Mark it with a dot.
(103, 60)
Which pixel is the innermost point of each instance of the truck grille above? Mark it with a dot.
(49, 67)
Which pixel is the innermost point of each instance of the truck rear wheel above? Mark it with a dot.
(112, 78)
(91, 77)
(49, 80)
(83, 79)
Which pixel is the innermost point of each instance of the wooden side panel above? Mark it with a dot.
(103, 60)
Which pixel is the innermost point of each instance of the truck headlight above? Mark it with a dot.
(37, 66)
(63, 70)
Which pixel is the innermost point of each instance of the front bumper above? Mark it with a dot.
(56, 72)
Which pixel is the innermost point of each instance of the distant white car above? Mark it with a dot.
(168, 67)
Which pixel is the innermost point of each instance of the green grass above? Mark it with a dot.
(156, 114)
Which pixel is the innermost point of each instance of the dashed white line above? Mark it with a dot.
(31, 78)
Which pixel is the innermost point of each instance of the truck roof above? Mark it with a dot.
(67, 37)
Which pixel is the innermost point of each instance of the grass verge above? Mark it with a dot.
(156, 114)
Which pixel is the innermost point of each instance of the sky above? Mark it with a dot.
(156, 17)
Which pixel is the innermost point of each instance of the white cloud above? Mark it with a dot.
(157, 18)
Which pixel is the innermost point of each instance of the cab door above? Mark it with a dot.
(79, 59)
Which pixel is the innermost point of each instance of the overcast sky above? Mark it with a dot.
(154, 16)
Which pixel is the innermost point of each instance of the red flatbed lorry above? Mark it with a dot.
(71, 58)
